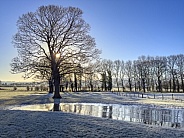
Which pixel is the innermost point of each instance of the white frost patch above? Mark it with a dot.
(36, 107)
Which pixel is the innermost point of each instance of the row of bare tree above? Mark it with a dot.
(144, 74)
(147, 73)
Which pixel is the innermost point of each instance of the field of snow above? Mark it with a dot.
(67, 125)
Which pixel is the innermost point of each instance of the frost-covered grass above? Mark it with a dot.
(10, 97)
(111, 98)
(11, 88)
(67, 125)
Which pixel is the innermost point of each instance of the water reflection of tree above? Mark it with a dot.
(56, 107)
(176, 123)
(161, 117)
(104, 111)
(152, 116)
(110, 111)
(107, 111)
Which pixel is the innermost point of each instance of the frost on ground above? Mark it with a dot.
(111, 98)
(59, 124)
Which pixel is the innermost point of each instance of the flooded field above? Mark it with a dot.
(152, 115)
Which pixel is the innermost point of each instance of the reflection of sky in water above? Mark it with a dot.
(133, 113)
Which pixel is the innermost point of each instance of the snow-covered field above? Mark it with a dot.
(59, 124)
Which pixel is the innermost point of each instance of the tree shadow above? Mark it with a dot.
(25, 99)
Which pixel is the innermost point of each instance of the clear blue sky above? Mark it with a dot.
(123, 29)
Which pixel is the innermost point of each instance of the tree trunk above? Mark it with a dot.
(130, 84)
(75, 81)
(152, 85)
(56, 83)
(143, 83)
(178, 85)
(182, 84)
(159, 84)
(104, 84)
(139, 83)
(122, 83)
(174, 84)
(118, 86)
(135, 87)
(80, 83)
(170, 85)
(50, 86)
(109, 81)
(91, 85)
(56, 106)
(148, 84)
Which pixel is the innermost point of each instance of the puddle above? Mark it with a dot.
(167, 117)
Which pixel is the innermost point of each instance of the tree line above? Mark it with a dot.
(160, 73)
(147, 73)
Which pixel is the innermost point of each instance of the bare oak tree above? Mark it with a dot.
(55, 34)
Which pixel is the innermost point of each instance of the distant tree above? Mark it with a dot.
(43, 72)
(122, 74)
(109, 70)
(180, 68)
(77, 73)
(129, 72)
(104, 81)
(55, 34)
(171, 63)
(109, 80)
(117, 67)
(91, 74)
(135, 75)
(144, 70)
(149, 72)
(160, 64)
(102, 70)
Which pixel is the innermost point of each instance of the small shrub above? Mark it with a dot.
(36, 88)
(14, 88)
(27, 88)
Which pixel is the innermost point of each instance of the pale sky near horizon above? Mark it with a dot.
(123, 29)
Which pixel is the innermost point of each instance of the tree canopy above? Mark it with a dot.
(52, 39)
